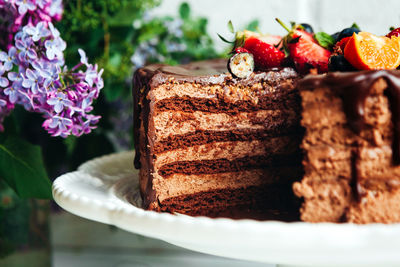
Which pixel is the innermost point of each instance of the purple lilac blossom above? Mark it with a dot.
(14, 14)
(33, 74)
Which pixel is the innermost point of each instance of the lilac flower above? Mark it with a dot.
(25, 5)
(88, 124)
(49, 72)
(55, 48)
(59, 125)
(91, 75)
(11, 93)
(8, 58)
(31, 80)
(56, 7)
(84, 59)
(59, 102)
(54, 32)
(3, 81)
(41, 82)
(24, 45)
(37, 32)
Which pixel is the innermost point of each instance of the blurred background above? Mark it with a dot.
(121, 36)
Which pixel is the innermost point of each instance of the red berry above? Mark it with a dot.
(303, 35)
(307, 54)
(239, 50)
(342, 43)
(395, 33)
(265, 55)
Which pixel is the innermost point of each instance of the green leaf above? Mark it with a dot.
(224, 39)
(354, 25)
(253, 25)
(184, 11)
(22, 168)
(230, 27)
(325, 40)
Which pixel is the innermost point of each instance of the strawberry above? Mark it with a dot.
(395, 32)
(266, 38)
(265, 55)
(239, 50)
(308, 55)
(297, 33)
(342, 43)
(304, 50)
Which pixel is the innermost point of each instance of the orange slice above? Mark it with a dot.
(366, 51)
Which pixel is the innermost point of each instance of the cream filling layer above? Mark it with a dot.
(169, 123)
(182, 184)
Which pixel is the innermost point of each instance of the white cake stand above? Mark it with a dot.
(97, 192)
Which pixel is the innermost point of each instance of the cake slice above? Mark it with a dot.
(351, 147)
(207, 143)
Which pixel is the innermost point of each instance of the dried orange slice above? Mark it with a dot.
(366, 51)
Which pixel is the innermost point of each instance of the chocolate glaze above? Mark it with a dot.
(210, 72)
(354, 88)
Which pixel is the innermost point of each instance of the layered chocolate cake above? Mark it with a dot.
(210, 141)
(351, 145)
(207, 143)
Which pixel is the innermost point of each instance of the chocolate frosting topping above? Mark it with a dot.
(354, 88)
(205, 72)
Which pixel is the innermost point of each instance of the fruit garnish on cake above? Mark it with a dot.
(347, 50)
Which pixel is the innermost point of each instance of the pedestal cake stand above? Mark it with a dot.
(106, 190)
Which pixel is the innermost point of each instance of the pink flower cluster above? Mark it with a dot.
(33, 73)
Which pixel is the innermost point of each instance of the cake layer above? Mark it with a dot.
(204, 137)
(262, 203)
(224, 165)
(231, 150)
(170, 123)
(183, 184)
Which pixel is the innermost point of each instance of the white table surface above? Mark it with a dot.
(82, 243)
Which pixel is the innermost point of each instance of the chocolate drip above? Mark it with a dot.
(354, 88)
